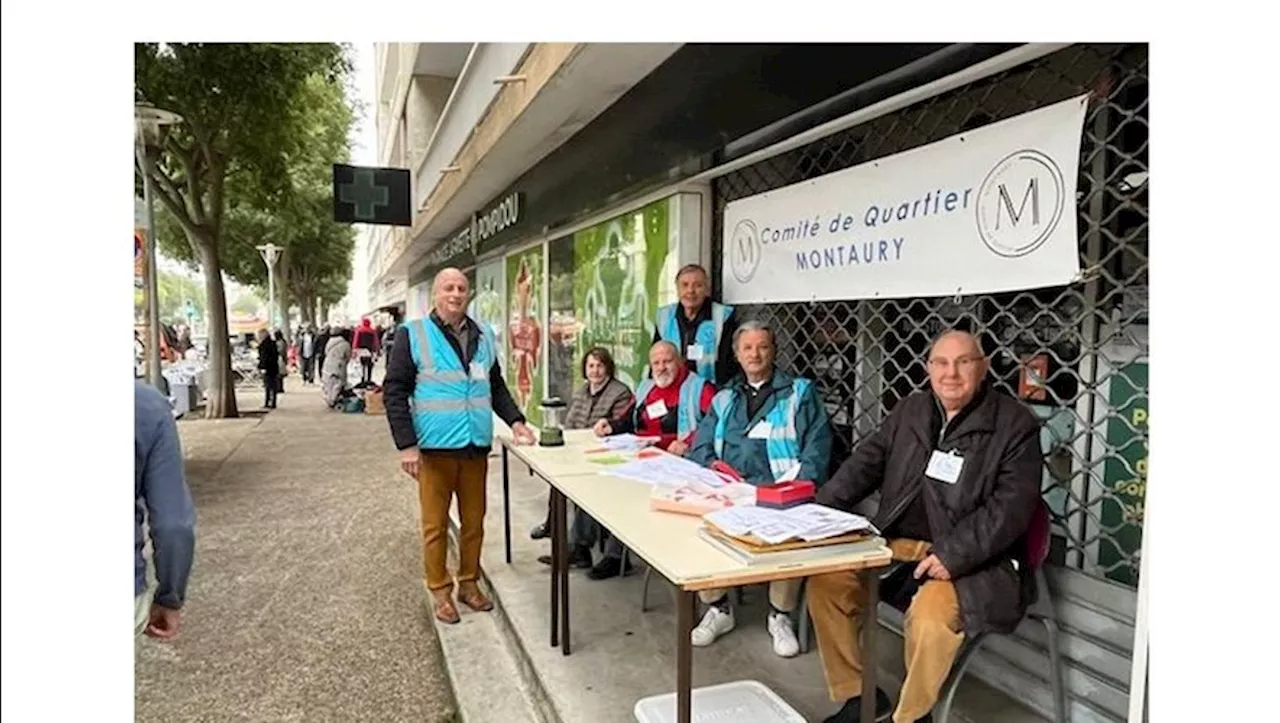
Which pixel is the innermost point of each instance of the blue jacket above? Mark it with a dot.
(162, 498)
(800, 432)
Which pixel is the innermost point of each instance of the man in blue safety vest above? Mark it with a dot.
(766, 424)
(442, 388)
(701, 329)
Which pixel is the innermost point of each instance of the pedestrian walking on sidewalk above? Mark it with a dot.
(269, 363)
(443, 386)
(322, 342)
(307, 354)
(282, 347)
(162, 507)
(365, 344)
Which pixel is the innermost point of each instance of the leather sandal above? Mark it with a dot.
(446, 612)
(475, 600)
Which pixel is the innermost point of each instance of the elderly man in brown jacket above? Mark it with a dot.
(958, 469)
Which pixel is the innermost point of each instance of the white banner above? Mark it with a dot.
(988, 210)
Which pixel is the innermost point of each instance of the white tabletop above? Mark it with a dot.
(667, 541)
(571, 459)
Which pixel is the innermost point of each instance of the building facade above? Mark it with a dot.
(571, 181)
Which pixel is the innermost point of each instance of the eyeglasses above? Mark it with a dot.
(962, 364)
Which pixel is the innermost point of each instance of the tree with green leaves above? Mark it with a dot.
(244, 125)
(175, 291)
(247, 303)
(300, 222)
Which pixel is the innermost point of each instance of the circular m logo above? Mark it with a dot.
(1020, 203)
(744, 251)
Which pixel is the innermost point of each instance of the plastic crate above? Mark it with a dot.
(742, 701)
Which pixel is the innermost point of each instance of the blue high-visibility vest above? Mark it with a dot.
(783, 444)
(706, 336)
(452, 406)
(690, 410)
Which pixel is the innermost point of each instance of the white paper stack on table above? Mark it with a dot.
(804, 522)
(759, 534)
(654, 466)
(627, 442)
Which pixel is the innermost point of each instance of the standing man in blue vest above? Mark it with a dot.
(701, 329)
(766, 424)
(442, 388)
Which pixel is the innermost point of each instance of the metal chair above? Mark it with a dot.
(1037, 541)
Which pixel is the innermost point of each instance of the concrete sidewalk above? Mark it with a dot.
(306, 599)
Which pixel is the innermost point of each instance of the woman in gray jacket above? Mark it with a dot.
(603, 396)
(337, 354)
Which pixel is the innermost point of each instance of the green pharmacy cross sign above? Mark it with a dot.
(371, 195)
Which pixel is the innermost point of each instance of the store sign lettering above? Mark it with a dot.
(483, 226)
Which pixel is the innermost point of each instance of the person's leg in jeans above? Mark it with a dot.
(543, 529)
(583, 534)
(611, 564)
(272, 383)
(367, 373)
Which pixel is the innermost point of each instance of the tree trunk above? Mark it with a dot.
(282, 293)
(221, 392)
(282, 308)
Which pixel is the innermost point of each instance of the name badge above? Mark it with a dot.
(477, 372)
(657, 410)
(762, 430)
(945, 467)
(693, 353)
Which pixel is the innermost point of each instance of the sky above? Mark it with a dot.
(364, 139)
(364, 152)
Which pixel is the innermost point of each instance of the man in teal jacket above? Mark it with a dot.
(767, 425)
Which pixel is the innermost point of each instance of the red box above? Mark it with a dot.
(782, 495)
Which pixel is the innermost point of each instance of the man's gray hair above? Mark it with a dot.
(663, 342)
(754, 325)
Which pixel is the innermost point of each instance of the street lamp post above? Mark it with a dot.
(270, 252)
(151, 124)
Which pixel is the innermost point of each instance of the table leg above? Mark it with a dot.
(685, 607)
(870, 661)
(562, 519)
(506, 500)
(555, 567)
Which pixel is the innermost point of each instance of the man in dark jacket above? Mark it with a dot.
(163, 512)
(322, 340)
(958, 469)
(269, 363)
(443, 386)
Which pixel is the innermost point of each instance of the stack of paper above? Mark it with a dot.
(663, 467)
(696, 498)
(806, 522)
(626, 442)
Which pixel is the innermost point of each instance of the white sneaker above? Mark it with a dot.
(785, 643)
(714, 624)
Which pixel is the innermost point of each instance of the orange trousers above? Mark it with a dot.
(932, 635)
(440, 477)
